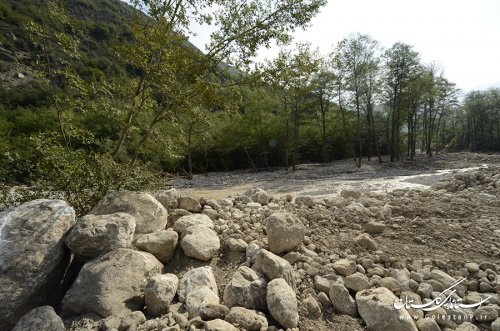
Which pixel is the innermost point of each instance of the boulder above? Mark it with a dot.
(274, 267)
(200, 242)
(246, 289)
(159, 292)
(41, 318)
(284, 232)
(247, 319)
(189, 204)
(161, 244)
(282, 303)
(342, 301)
(94, 235)
(112, 284)
(198, 299)
(376, 308)
(150, 215)
(187, 221)
(194, 278)
(33, 256)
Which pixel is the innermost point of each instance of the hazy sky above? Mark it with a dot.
(461, 36)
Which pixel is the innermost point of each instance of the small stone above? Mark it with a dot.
(357, 282)
(366, 241)
(247, 319)
(373, 227)
(161, 244)
(189, 204)
(486, 314)
(219, 325)
(342, 301)
(312, 306)
(198, 299)
(159, 293)
(344, 267)
(41, 318)
(214, 311)
(131, 320)
(427, 324)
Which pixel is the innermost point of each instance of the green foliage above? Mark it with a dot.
(81, 175)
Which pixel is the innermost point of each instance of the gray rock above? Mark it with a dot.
(168, 198)
(344, 267)
(486, 314)
(94, 235)
(236, 245)
(282, 303)
(357, 282)
(132, 320)
(427, 324)
(214, 311)
(150, 215)
(246, 289)
(219, 325)
(312, 306)
(194, 278)
(366, 241)
(161, 244)
(200, 242)
(38, 319)
(284, 232)
(260, 196)
(342, 301)
(376, 308)
(304, 201)
(446, 280)
(467, 326)
(350, 194)
(189, 204)
(112, 284)
(33, 256)
(495, 326)
(198, 299)
(187, 221)
(274, 267)
(374, 227)
(247, 319)
(159, 292)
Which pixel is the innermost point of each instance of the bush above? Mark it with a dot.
(81, 176)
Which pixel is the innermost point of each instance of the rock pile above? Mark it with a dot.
(255, 262)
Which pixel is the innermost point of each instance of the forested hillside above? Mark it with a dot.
(98, 95)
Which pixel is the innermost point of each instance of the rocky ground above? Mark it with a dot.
(313, 252)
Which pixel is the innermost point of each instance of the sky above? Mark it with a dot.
(461, 36)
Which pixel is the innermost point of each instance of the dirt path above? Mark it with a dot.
(324, 180)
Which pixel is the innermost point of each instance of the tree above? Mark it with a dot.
(357, 61)
(293, 74)
(401, 64)
(177, 73)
